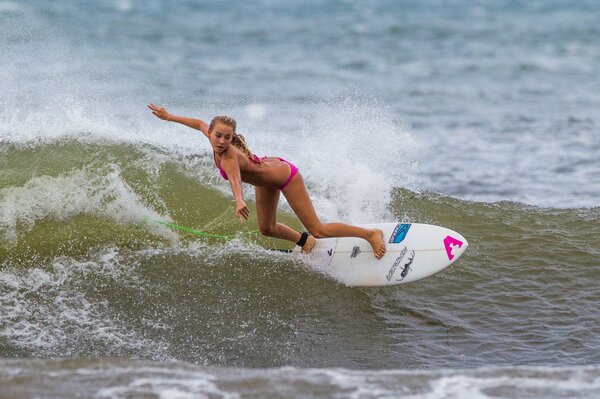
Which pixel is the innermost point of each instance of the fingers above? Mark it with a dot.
(159, 112)
(156, 108)
(242, 214)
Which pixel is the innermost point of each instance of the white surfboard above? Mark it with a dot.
(414, 251)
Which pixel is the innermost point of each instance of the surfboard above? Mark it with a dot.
(414, 251)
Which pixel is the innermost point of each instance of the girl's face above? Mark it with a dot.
(220, 137)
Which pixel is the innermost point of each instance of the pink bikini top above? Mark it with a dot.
(224, 175)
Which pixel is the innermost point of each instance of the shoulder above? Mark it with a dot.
(231, 153)
(232, 156)
(203, 127)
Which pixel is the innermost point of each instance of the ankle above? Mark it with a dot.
(303, 237)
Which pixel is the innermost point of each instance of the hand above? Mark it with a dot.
(160, 112)
(241, 211)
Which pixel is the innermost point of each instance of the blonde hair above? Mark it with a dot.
(238, 140)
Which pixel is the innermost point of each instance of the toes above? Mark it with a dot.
(310, 243)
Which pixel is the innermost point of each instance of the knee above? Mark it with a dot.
(267, 230)
(317, 232)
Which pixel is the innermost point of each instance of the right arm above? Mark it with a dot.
(162, 113)
(231, 167)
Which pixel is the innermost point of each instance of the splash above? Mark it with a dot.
(79, 192)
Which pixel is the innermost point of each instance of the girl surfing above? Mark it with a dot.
(270, 176)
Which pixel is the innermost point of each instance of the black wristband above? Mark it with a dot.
(302, 239)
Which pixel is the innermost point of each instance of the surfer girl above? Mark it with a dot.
(270, 176)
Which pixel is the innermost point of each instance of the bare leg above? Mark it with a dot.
(298, 198)
(266, 211)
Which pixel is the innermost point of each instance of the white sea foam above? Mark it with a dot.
(179, 381)
(351, 153)
(80, 192)
(41, 308)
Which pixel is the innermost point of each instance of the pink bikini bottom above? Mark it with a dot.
(293, 172)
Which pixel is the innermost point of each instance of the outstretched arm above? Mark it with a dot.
(232, 169)
(162, 113)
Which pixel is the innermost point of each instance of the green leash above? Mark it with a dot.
(201, 233)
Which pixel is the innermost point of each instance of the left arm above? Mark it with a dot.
(232, 168)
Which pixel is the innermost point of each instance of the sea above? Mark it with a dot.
(477, 115)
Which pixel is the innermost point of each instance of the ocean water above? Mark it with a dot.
(478, 116)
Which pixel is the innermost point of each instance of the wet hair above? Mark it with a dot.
(238, 140)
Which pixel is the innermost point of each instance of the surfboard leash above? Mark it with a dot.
(202, 233)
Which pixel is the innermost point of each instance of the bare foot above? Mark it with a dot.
(308, 246)
(377, 242)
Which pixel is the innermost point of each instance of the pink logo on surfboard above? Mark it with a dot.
(450, 243)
